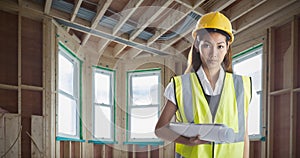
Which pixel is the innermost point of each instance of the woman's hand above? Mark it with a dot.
(196, 141)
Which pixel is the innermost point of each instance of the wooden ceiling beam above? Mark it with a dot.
(127, 12)
(47, 7)
(9, 6)
(173, 50)
(197, 3)
(173, 18)
(135, 52)
(132, 53)
(169, 43)
(106, 34)
(171, 21)
(85, 38)
(149, 16)
(102, 7)
(193, 6)
(189, 3)
(32, 6)
(199, 11)
(258, 32)
(260, 13)
(75, 9)
(242, 8)
(186, 3)
(102, 45)
(220, 5)
(182, 45)
(118, 49)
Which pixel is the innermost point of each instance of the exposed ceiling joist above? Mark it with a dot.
(186, 3)
(47, 7)
(169, 43)
(102, 7)
(197, 3)
(260, 13)
(173, 18)
(193, 7)
(102, 44)
(118, 49)
(132, 53)
(220, 5)
(127, 12)
(85, 38)
(165, 45)
(169, 22)
(173, 50)
(242, 8)
(199, 11)
(149, 16)
(31, 6)
(168, 37)
(9, 6)
(182, 45)
(75, 9)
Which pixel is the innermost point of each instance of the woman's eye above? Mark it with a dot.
(206, 46)
(220, 46)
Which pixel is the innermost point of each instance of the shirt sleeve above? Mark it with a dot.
(169, 93)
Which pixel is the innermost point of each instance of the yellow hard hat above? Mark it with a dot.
(214, 20)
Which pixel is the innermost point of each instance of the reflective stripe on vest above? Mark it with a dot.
(189, 94)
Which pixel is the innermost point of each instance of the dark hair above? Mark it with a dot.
(194, 60)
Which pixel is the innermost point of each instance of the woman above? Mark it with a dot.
(208, 93)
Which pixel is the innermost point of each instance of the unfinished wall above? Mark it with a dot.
(21, 81)
(284, 89)
(280, 83)
(28, 48)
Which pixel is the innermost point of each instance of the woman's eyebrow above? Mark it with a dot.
(211, 42)
(205, 41)
(221, 42)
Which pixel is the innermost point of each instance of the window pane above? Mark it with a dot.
(251, 67)
(66, 115)
(253, 117)
(66, 75)
(102, 88)
(103, 122)
(144, 90)
(143, 122)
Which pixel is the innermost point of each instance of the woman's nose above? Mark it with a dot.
(214, 51)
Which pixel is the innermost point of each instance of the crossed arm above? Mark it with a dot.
(162, 131)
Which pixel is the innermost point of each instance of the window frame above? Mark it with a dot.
(77, 63)
(148, 72)
(242, 56)
(112, 89)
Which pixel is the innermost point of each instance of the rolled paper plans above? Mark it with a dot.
(218, 133)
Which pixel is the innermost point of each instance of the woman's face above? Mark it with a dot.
(213, 48)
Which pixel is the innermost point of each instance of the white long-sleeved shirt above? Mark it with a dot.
(169, 91)
(170, 95)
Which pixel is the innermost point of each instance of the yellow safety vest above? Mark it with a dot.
(232, 111)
